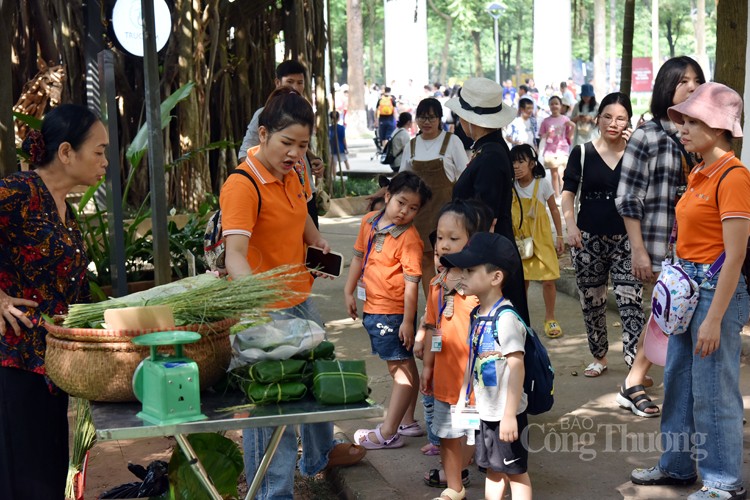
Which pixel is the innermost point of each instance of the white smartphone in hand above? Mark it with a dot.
(330, 264)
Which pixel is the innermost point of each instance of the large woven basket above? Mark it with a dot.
(102, 335)
(103, 370)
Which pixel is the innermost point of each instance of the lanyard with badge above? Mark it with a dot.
(361, 293)
(463, 415)
(437, 334)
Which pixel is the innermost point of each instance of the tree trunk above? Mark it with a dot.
(731, 44)
(69, 14)
(356, 117)
(476, 38)
(371, 40)
(700, 37)
(7, 135)
(626, 74)
(191, 179)
(655, 58)
(444, 56)
(671, 39)
(47, 50)
(600, 47)
(519, 38)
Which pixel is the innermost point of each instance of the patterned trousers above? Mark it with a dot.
(600, 258)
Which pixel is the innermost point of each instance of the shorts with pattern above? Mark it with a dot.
(383, 330)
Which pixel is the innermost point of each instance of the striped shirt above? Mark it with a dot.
(651, 174)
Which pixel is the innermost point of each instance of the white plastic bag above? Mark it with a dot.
(277, 339)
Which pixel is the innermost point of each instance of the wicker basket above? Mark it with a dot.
(103, 370)
(102, 335)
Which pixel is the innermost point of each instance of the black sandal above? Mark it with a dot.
(637, 404)
(432, 478)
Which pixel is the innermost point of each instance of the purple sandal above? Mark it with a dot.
(362, 438)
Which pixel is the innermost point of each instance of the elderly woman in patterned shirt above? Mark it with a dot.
(42, 270)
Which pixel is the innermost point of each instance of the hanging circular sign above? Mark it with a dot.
(128, 24)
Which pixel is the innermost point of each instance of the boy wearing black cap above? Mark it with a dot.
(495, 368)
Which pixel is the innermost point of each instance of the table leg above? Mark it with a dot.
(273, 444)
(197, 467)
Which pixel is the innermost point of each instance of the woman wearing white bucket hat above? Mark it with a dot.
(702, 398)
(489, 175)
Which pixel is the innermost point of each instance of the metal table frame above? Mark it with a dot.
(115, 421)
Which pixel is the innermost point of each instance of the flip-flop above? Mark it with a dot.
(552, 329)
(594, 369)
(345, 454)
(362, 437)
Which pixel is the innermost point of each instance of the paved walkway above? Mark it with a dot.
(584, 448)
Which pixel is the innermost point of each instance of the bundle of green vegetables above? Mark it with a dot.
(83, 440)
(198, 299)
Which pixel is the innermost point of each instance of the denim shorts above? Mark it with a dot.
(383, 331)
(441, 422)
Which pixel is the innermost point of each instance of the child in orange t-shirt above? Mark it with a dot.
(385, 272)
(446, 350)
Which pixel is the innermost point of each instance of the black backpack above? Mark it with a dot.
(539, 378)
(388, 156)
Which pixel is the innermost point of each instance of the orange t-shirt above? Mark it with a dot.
(450, 362)
(700, 236)
(395, 257)
(276, 234)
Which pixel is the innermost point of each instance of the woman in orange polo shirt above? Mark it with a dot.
(702, 412)
(267, 232)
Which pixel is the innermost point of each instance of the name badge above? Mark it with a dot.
(437, 341)
(361, 294)
(437, 344)
(467, 418)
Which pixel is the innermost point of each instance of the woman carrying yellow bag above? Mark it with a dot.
(540, 258)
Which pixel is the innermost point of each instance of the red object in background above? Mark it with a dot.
(80, 479)
(643, 75)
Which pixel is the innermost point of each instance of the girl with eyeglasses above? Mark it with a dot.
(596, 233)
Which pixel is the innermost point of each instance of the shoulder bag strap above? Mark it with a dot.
(716, 266)
(687, 160)
(255, 184)
(577, 201)
(402, 147)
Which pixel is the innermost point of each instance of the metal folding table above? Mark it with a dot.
(115, 421)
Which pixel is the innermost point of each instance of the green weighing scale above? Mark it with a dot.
(168, 386)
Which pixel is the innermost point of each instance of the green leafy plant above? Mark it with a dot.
(356, 187)
(220, 456)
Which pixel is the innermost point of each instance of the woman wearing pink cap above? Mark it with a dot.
(702, 411)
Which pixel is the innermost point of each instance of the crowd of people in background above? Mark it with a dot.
(480, 168)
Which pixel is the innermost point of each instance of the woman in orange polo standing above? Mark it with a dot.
(702, 399)
(265, 229)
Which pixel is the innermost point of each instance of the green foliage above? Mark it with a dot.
(517, 19)
(355, 186)
(138, 147)
(32, 121)
(221, 458)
